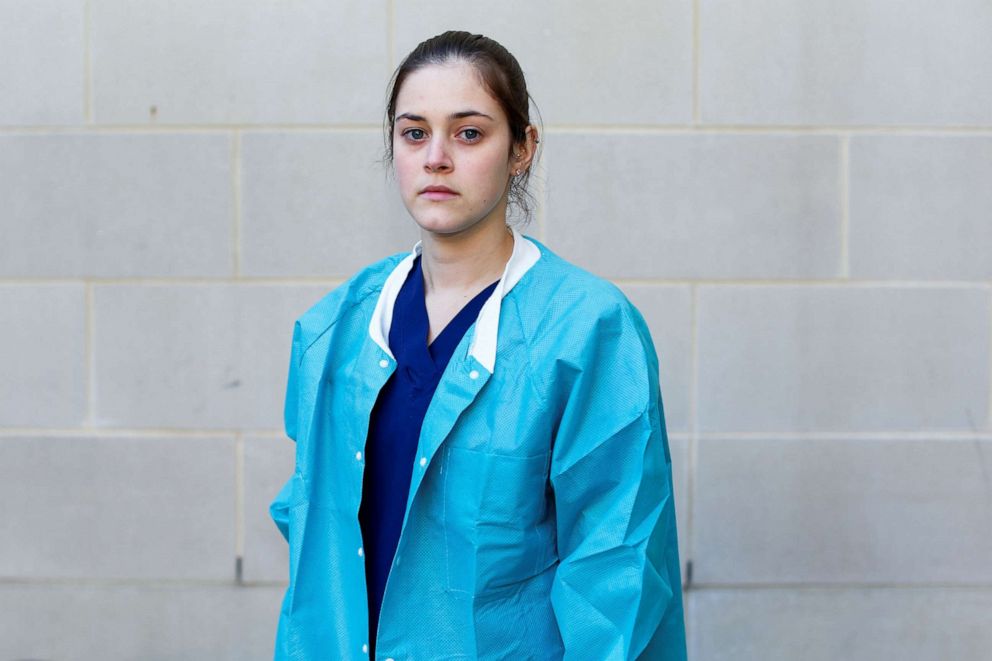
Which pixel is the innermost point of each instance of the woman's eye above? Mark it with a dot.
(471, 134)
(415, 134)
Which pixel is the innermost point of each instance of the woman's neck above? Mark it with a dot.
(465, 262)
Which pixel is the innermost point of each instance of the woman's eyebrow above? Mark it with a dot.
(469, 113)
(455, 115)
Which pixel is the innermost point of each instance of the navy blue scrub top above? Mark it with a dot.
(394, 426)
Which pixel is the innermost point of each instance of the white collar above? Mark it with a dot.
(483, 347)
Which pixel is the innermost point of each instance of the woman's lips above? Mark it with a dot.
(438, 193)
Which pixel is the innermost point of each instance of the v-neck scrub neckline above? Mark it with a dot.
(395, 423)
(414, 325)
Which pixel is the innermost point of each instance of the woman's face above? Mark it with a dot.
(451, 149)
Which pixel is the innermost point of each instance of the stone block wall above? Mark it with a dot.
(797, 195)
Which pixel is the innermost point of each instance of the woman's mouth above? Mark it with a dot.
(438, 193)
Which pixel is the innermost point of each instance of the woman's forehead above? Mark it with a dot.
(445, 90)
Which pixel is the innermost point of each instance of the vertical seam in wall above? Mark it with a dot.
(89, 360)
(693, 449)
(845, 206)
(988, 423)
(236, 193)
(87, 67)
(696, 119)
(239, 495)
(391, 34)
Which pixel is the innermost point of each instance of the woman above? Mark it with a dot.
(477, 421)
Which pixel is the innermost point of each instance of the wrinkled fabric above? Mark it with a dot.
(540, 521)
(395, 424)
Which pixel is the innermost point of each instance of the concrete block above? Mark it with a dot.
(833, 358)
(921, 207)
(127, 622)
(319, 204)
(893, 511)
(116, 205)
(41, 63)
(695, 206)
(269, 464)
(226, 62)
(117, 508)
(195, 356)
(43, 354)
(585, 62)
(844, 62)
(668, 313)
(855, 624)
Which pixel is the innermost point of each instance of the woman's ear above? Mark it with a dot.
(523, 153)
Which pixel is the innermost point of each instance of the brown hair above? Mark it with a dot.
(499, 72)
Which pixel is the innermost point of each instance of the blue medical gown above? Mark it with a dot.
(540, 522)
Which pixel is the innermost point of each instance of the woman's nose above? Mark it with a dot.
(438, 159)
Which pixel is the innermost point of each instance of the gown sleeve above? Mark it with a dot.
(279, 507)
(617, 589)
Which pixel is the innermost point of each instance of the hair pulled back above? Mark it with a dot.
(502, 77)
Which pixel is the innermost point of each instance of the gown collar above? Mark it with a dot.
(483, 344)
(408, 338)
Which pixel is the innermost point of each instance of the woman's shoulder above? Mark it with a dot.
(361, 288)
(573, 319)
(558, 290)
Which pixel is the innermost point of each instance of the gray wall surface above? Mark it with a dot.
(796, 194)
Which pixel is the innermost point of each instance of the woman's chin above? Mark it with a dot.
(452, 224)
(444, 226)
